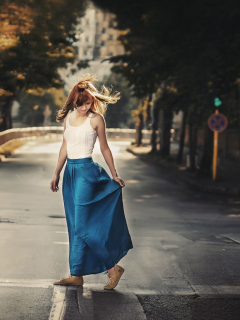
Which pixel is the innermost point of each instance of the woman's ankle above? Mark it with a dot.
(112, 270)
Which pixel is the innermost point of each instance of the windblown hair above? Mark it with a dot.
(84, 90)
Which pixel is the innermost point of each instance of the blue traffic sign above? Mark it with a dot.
(217, 122)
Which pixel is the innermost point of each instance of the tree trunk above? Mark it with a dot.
(238, 98)
(206, 161)
(6, 114)
(148, 120)
(139, 127)
(192, 145)
(182, 137)
(154, 127)
(165, 132)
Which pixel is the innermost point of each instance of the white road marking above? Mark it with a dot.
(59, 307)
(84, 300)
(61, 242)
(234, 237)
(169, 246)
(201, 289)
(217, 290)
(85, 303)
(30, 283)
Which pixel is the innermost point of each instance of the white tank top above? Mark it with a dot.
(80, 139)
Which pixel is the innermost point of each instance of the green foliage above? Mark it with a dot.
(35, 41)
(193, 42)
(33, 104)
(43, 46)
(119, 115)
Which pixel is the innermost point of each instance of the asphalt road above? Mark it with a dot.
(184, 264)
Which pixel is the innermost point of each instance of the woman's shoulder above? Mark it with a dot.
(66, 119)
(97, 115)
(68, 113)
(97, 119)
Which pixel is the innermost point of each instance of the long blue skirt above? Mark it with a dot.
(97, 228)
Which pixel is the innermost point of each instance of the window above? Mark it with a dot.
(97, 27)
(75, 49)
(103, 30)
(103, 43)
(111, 37)
(111, 25)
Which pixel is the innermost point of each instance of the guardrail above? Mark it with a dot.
(18, 133)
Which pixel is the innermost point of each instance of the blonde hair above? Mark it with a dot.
(84, 90)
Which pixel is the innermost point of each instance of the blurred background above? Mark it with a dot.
(43, 56)
(175, 138)
(174, 64)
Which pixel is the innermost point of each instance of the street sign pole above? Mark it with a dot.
(217, 122)
(215, 152)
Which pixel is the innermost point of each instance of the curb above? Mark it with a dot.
(181, 179)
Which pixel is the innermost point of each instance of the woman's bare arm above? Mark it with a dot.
(61, 160)
(104, 147)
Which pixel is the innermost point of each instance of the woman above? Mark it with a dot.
(97, 229)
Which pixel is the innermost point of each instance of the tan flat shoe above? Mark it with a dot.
(70, 281)
(114, 278)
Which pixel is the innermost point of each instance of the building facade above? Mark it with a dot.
(97, 37)
(96, 41)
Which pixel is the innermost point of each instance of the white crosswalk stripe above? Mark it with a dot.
(84, 302)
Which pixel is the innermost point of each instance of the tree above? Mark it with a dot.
(190, 42)
(35, 44)
(118, 115)
(33, 104)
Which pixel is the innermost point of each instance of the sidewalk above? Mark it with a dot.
(228, 173)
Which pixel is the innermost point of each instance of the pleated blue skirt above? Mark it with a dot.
(97, 228)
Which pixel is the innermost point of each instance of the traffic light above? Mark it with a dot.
(217, 102)
(218, 89)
